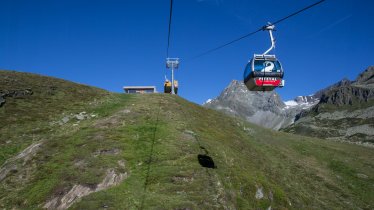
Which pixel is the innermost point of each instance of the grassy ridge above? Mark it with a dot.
(24, 117)
(159, 138)
(49, 96)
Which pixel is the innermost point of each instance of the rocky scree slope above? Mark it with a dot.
(345, 112)
(160, 151)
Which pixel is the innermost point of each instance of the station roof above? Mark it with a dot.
(139, 87)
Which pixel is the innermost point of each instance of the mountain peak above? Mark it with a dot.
(366, 77)
(263, 108)
(343, 82)
(346, 92)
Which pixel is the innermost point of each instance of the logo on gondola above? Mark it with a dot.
(268, 66)
(268, 78)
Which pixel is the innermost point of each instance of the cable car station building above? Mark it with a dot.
(140, 89)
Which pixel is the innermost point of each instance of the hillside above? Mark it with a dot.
(85, 148)
(29, 100)
(26, 97)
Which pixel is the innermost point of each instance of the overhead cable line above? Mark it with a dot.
(151, 155)
(297, 12)
(170, 16)
(258, 30)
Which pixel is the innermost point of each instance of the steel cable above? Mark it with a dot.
(258, 30)
(170, 18)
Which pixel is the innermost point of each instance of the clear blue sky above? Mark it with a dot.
(113, 43)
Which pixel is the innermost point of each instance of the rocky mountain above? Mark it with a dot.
(366, 77)
(342, 82)
(71, 146)
(345, 112)
(262, 108)
(342, 111)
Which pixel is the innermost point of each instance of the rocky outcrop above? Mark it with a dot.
(343, 82)
(21, 159)
(78, 191)
(366, 77)
(306, 99)
(13, 94)
(347, 95)
(347, 92)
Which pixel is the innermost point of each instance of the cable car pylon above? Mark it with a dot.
(171, 87)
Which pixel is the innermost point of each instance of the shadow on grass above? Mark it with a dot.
(206, 161)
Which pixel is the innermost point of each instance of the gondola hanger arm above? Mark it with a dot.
(270, 27)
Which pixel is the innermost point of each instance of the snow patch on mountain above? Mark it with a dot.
(208, 101)
(290, 103)
(303, 102)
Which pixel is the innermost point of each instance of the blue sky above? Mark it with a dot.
(113, 43)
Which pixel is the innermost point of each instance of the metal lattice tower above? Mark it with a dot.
(172, 63)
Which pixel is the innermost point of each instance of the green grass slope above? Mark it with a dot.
(163, 152)
(45, 96)
(32, 101)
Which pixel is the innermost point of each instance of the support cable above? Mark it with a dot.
(170, 18)
(258, 30)
(150, 157)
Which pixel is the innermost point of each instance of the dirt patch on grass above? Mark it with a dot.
(78, 191)
(188, 135)
(114, 151)
(181, 179)
(113, 120)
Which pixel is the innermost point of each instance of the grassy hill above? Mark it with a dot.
(32, 101)
(84, 148)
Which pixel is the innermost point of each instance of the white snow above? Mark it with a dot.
(208, 101)
(303, 104)
(291, 103)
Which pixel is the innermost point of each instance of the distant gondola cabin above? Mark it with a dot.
(167, 86)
